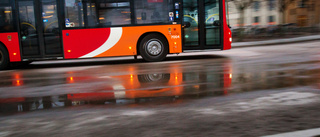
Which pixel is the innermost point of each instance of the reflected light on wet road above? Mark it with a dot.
(101, 88)
(70, 80)
(140, 84)
(17, 80)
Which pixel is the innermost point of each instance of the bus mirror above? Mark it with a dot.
(216, 23)
(186, 24)
(143, 16)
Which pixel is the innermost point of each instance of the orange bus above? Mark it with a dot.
(32, 30)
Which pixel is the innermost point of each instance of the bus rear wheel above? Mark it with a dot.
(153, 47)
(4, 58)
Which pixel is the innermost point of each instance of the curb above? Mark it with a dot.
(302, 133)
(273, 42)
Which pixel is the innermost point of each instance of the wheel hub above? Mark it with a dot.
(154, 47)
(155, 77)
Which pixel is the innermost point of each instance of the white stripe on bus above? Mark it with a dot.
(115, 35)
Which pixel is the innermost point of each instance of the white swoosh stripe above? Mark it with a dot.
(115, 35)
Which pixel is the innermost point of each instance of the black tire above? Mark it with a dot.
(4, 58)
(153, 47)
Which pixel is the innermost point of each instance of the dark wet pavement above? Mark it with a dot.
(42, 86)
(34, 88)
(181, 82)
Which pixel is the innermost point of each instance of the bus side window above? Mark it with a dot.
(156, 11)
(73, 13)
(6, 23)
(92, 22)
(91, 14)
(116, 13)
(104, 13)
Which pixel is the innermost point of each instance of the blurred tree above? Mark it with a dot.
(241, 6)
(282, 7)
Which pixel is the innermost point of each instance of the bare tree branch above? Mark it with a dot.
(241, 5)
(282, 7)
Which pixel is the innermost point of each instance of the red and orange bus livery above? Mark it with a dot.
(117, 41)
(70, 29)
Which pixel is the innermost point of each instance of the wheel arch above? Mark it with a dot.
(5, 64)
(5, 47)
(146, 34)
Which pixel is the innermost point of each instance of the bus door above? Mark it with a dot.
(39, 29)
(205, 30)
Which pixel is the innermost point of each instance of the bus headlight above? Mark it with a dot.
(230, 39)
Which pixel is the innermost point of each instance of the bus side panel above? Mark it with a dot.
(127, 44)
(227, 35)
(11, 41)
(79, 42)
(115, 41)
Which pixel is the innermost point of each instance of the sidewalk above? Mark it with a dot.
(278, 41)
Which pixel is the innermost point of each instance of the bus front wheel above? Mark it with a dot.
(153, 47)
(4, 57)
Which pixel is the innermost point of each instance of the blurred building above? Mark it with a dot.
(303, 13)
(260, 13)
(263, 13)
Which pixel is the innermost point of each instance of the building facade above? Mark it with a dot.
(260, 13)
(263, 13)
(303, 13)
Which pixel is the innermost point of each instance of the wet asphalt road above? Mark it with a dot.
(249, 91)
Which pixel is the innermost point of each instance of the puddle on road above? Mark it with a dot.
(176, 83)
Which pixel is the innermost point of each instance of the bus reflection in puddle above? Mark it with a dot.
(172, 87)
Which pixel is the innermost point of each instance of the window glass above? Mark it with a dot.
(28, 28)
(74, 13)
(256, 5)
(227, 11)
(107, 12)
(153, 11)
(114, 12)
(91, 14)
(271, 18)
(6, 23)
(212, 15)
(4, 2)
(51, 27)
(190, 11)
(256, 19)
(271, 4)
